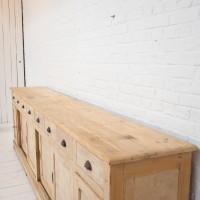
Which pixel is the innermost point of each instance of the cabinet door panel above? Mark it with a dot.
(31, 150)
(83, 191)
(64, 180)
(46, 166)
(23, 134)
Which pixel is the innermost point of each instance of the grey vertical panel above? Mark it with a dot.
(19, 42)
(7, 57)
(13, 52)
(3, 105)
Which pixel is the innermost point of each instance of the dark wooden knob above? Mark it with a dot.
(38, 120)
(63, 143)
(88, 165)
(18, 102)
(23, 106)
(13, 97)
(29, 112)
(49, 130)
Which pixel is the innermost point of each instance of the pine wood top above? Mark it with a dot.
(111, 137)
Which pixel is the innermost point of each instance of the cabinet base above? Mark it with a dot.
(40, 192)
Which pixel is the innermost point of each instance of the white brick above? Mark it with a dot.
(126, 98)
(180, 125)
(146, 92)
(169, 109)
(184, 30)
(158, 7)
(167, 96)
(198, 73)
(195, 114)
(184, 16)
(103, 92)
(146, 103)
(158, 21)
(190, 101)
(196, 87)
(125, 88)
(185, 58)
(170, 32)
(140, 47)
(157, 106)
(156, 118)
(137, 100)
(196, 58)
(148, 10)
(150, 22)
(182, 112)
(184, 85)
(170, 5)
(196, 28)
(141, 35)
(193, 44)
(181, 71)
(157, 34)
(184, 3)
(134, 14)
(196, 2)
(113, 86)
(172, 45)
(170, 84)
(101, 84)
(196, 132)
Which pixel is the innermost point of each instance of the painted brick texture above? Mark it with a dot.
(139, 58)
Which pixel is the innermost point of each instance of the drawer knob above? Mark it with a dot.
(88, 165)
(63, 143)
(29, 112)
(23, 106)
(49, 130)
(13, 97)
(38, 120)
(18, 102)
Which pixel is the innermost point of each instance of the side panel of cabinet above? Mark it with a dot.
(31, 146)
(46, 166)
(23, 134)
(64, 180)
(15, 124)
(83, 191)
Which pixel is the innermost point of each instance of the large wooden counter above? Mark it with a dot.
(73, 150)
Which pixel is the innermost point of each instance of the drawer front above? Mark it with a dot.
(39, 120)
(18, 102)
(23, 106)
(83, 191)
(30, 112)
(64, 142)
(14, 98)
(49, 128)
(91, 165)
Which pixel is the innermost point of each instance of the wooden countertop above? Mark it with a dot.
(111, 137)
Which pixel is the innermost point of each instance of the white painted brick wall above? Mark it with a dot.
(144, 62)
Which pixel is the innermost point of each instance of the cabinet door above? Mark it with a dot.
(23, 134)
(31, 147)
(64, 180)
(46, 166)
(83, 191)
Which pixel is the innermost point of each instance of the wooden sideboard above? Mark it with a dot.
(71, 150)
